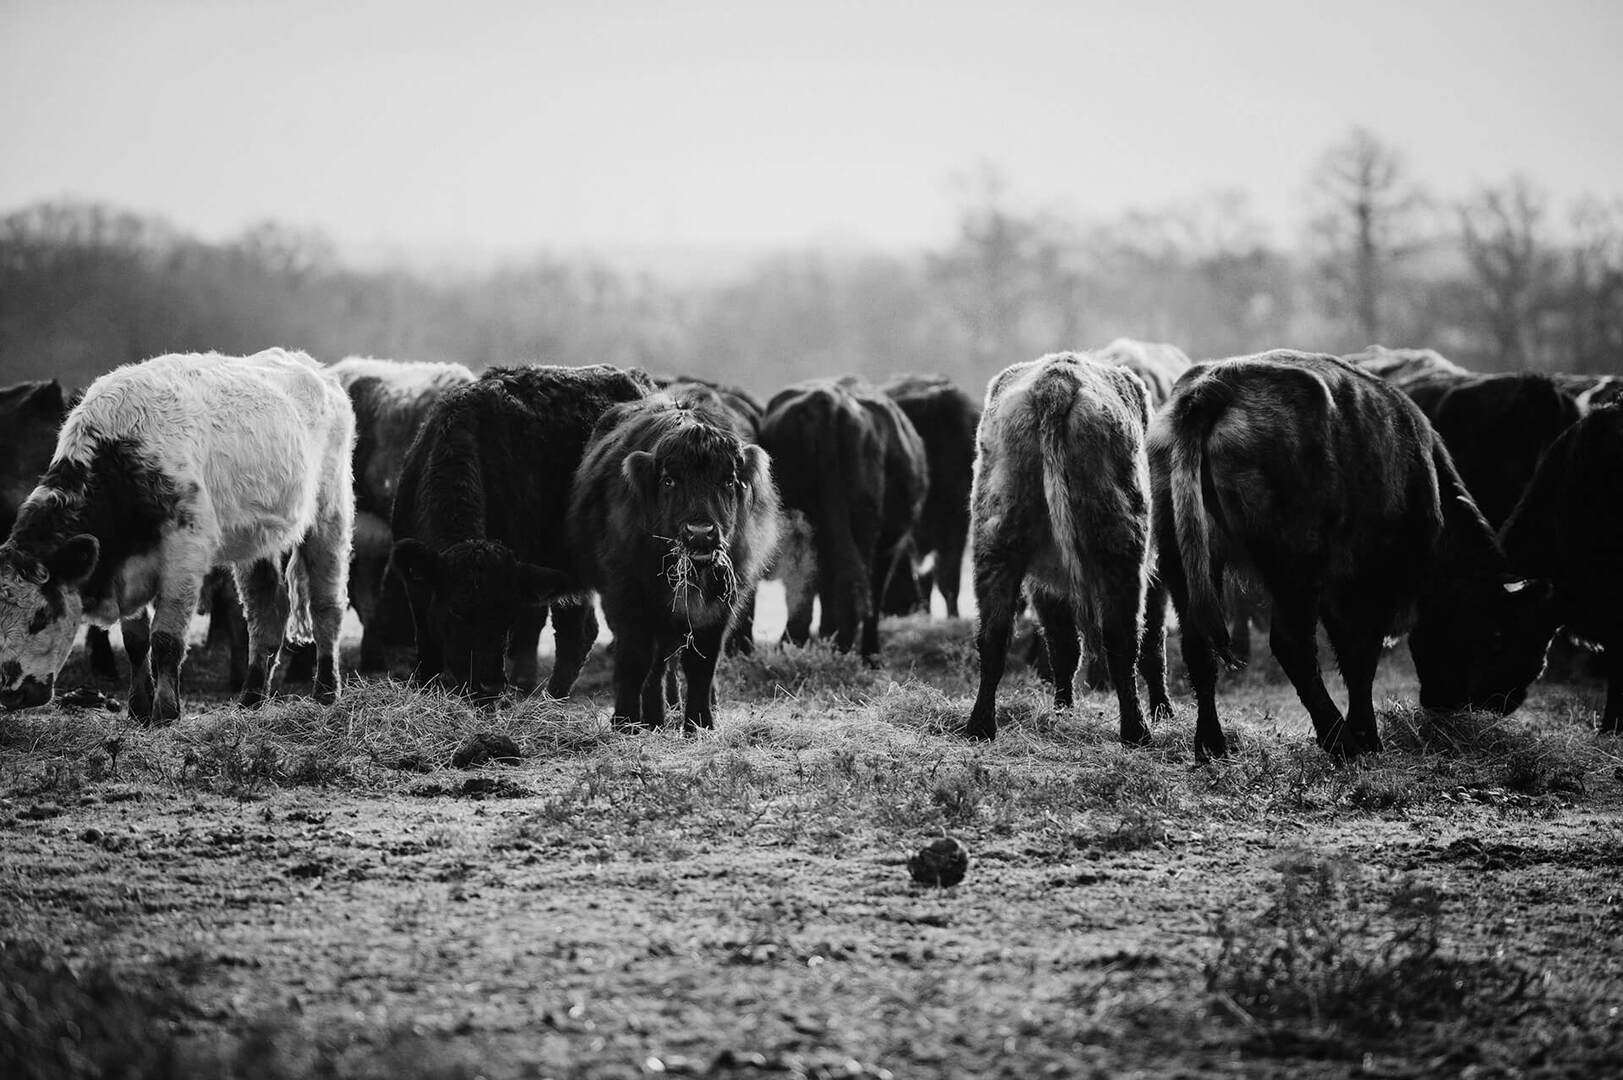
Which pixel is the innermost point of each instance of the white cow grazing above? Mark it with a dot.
(164, 469)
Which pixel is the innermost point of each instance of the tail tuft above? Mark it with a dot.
(300, 628)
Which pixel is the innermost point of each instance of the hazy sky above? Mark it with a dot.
(662, 123)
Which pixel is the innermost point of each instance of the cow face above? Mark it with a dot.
(694, 487)
(467, 599)
(40, 609)
(1483, 648)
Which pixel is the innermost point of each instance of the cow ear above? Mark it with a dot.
(71, 563)
(47, 399)
(415, 562)
(638, 469)
(755, 468)
(540, 585)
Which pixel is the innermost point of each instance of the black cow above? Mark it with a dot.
(479, 524)
(392, 399)
(739, 412)
(1568, 528)
(675, 518)
(1495, 427)
(1406, 367)
(1158, 364)
(1330, 488)
(945, 418)
(852, 475)
(1061, 505)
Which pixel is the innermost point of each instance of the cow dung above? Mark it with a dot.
(485, 747)
(941, 863)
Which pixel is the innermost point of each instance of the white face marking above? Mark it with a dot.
(35, 639)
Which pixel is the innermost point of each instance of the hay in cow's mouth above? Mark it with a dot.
(684, 572)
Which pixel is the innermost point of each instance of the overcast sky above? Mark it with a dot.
(484, 125)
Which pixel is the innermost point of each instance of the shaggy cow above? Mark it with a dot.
(1061, 505)
(679, 517)
(1591, 391)
(851, 471)
(740, 413)
(1159, 365)
(392, 399)
(1329, 488)
(945, 418)
(1568, 527)
(165, 469)
(479, 525)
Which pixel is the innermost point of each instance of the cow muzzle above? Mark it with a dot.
(31, 693)
(702, 542)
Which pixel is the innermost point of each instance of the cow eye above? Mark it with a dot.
(669, 480)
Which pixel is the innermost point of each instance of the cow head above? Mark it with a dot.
(694, 487)
(468, 597)
(40, 609)
(1482, 647)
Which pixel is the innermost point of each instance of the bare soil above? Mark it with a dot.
(298, 891)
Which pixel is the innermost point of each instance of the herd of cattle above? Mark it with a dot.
(1385, 492)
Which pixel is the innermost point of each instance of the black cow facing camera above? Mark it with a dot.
(675, 517)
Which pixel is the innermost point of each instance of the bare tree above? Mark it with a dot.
(1594, 286)
(1366, 218)
(1514, 270)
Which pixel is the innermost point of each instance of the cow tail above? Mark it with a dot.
(300, 626)
(1052, 399)
(1192, 421)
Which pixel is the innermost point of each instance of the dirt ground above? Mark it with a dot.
(298, 891)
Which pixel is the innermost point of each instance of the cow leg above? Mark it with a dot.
(949, 573)
(1611, 720)
(99, 646)
(523, 648)
(1096, 674)
(1152, 651)
(178, 589)
(634, 664)
(325, 558)
(574, 630)
(673, 692)
(1120, 625)
(879, 571)
(1358, 656)
(1198, 654)
(666, 648)
(137, 632)
(1240, 624)
(741, 639)
(430, 664)
(1057, 619)
(265, 603)
(1001, 558)
(800, 587)
(1292, 639)
(366, 582)
(699, 669)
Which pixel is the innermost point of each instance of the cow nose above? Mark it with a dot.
(699, 534)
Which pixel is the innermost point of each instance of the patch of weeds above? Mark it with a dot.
(959, 794)
(1138, 829)
(1319, 958)
(230, 756)
(1498, 751)
(86, 1020)
(919, 707)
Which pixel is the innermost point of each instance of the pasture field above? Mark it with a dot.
(301, 891)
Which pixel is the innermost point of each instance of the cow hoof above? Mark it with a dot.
(1136, 737)
(981, 732)
(1207, 750)
(251, 699)
(1063, 699)
(140, 706)
(326, 695)
(1160, 710)
(166, 709)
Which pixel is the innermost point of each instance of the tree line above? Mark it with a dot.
(1502, 279)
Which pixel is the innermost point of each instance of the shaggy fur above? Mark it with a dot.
(736, 410)
(1568, 527)
(1328, 488)
(479, 520)
(945, 418)
(850, 463)
(165, 469)
(1405, 367)
(392, 400)
(676, 518)
(1061, 506)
